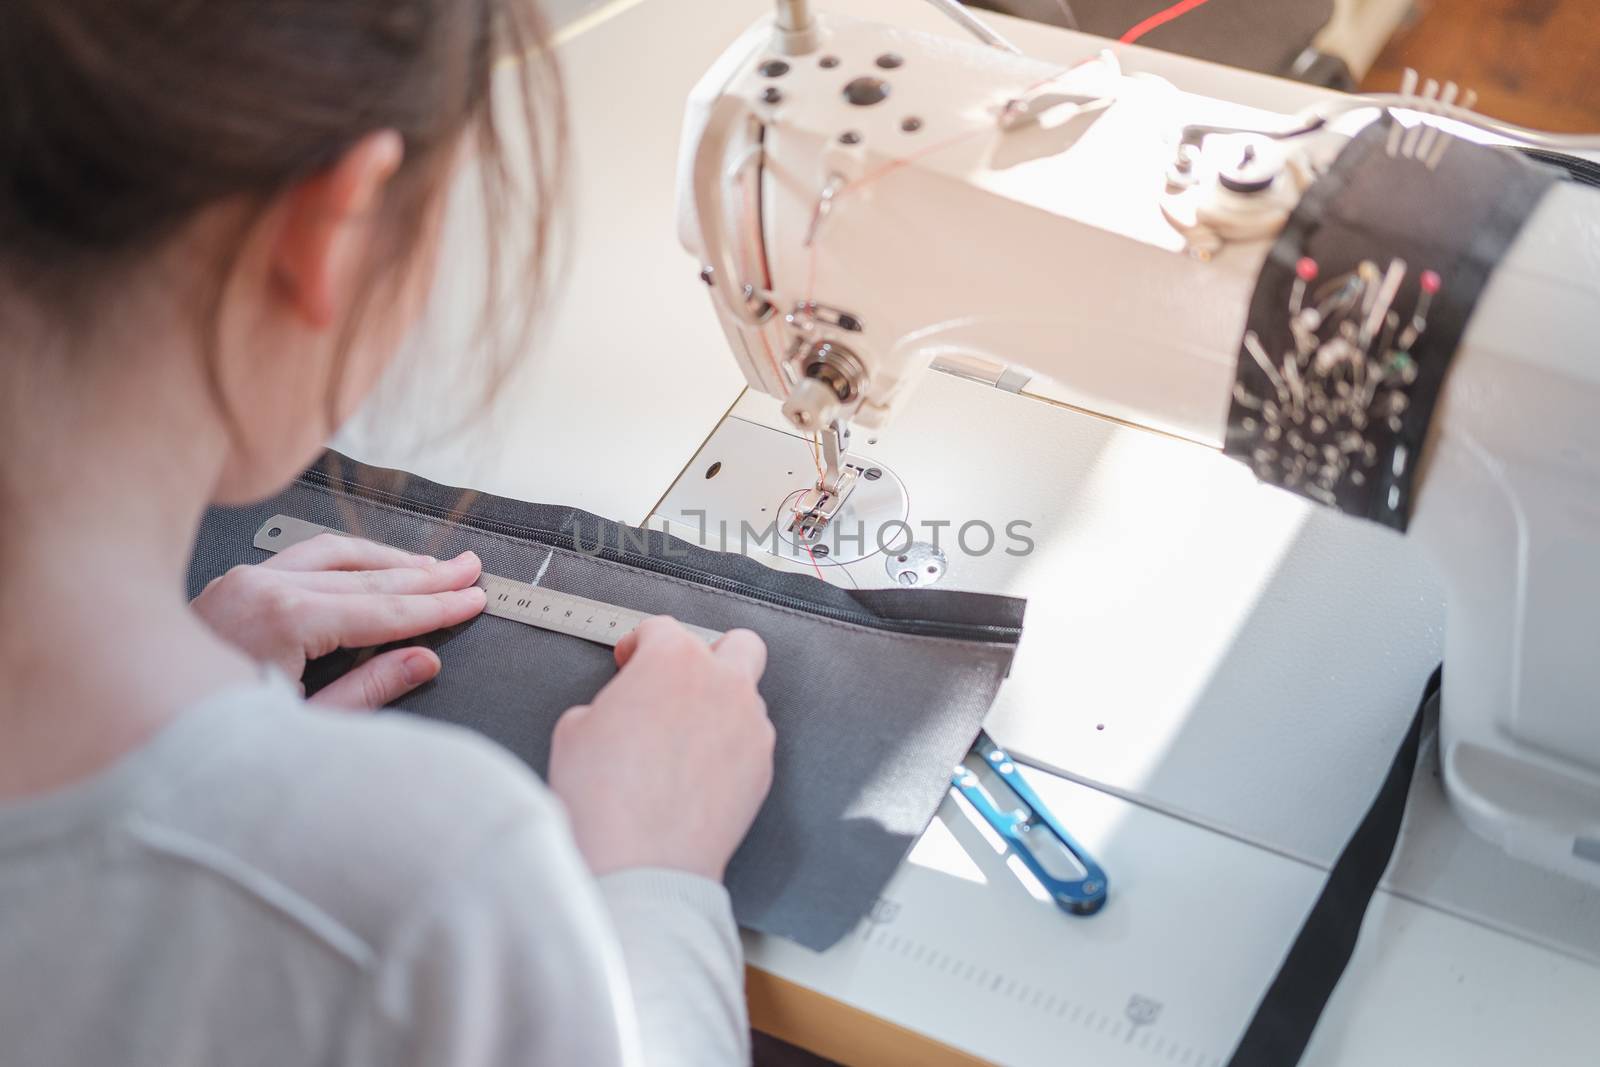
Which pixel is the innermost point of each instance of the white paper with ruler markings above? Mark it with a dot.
(532, 605)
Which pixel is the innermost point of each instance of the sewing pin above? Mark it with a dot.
(1342, 290)
(1367, 271)
(1391, 323)
(1305, 337)
(1379, 301)
(1297, 388)
(1402, 364)
(1252, 344)
(1379, 311)
(1305, 272)
(1430, 284)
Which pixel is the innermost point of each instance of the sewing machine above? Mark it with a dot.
(867, 201)
(1214, 673)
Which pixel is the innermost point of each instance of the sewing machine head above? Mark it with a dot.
(865, 201)
(888, 199)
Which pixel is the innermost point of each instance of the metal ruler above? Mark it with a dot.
(531, 605)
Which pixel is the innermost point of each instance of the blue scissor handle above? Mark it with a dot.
(1080, 896)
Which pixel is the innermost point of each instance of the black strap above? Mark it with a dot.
(1281, 1028)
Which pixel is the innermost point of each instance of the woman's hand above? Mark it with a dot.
(669, 764)
(333, 592)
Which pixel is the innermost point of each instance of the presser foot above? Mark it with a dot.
(818, 506)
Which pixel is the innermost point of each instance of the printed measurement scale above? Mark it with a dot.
(531, 605)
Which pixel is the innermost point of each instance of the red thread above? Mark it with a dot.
(777, 373)
(1160, 18)
(1057, 76)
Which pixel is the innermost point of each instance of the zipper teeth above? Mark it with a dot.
(555, 539)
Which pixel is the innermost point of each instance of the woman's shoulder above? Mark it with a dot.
(361, 816)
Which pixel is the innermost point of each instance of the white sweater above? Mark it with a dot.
(266, 883)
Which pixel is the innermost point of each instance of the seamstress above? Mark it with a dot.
(217, 221)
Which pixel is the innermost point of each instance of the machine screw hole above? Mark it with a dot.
(864, 92)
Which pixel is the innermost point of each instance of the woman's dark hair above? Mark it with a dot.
(121, 119)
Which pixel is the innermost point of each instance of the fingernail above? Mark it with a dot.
(469, 556)
(418, 668)
(423, 560)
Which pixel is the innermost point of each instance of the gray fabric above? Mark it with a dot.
(871, 713)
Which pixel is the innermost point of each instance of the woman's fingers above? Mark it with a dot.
(381, 680)
(438, 577)
(359, 621)
(655, 628)
(335, 552)
(743, 649)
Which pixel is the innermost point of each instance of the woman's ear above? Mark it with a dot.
(326, 228)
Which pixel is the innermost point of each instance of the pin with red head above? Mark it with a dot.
(1305, 272)
(1430, 284)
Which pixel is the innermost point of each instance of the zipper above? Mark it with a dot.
(992, 634)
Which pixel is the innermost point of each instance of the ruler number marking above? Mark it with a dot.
(578, 616)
